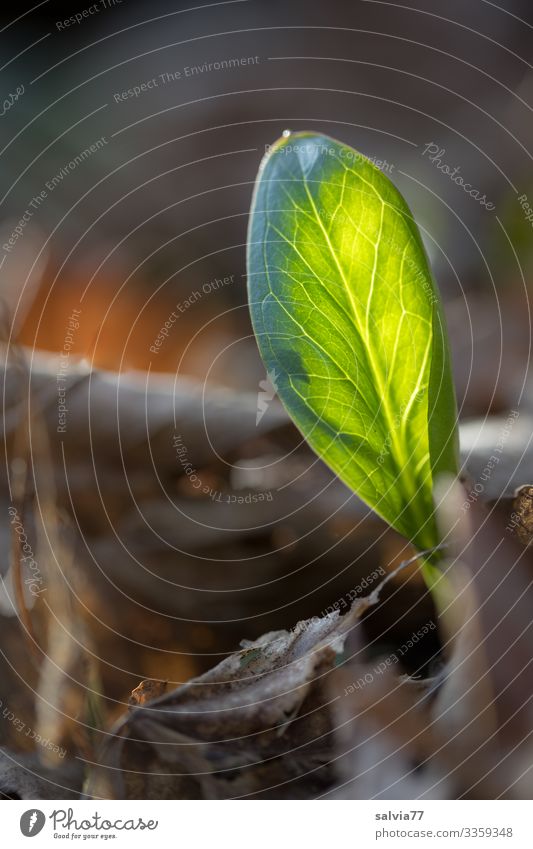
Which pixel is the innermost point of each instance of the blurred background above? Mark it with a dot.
(131, 136)
(161, 208)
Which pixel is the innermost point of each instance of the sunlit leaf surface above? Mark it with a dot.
(348, 319)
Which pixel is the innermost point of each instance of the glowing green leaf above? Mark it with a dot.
(348, 319)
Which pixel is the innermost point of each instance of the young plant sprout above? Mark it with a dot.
(347, 314)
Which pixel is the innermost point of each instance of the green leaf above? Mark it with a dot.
(348, 320)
